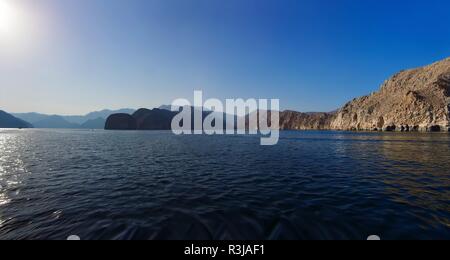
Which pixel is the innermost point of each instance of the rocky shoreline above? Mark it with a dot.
(415, 100)
(412, 100)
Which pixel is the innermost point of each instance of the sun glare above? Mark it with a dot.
(8, 17)
(18, 28)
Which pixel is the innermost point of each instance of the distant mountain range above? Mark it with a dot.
(9, 121)
(410, 101)
(93, 120)
(98, 123)
(53, 122)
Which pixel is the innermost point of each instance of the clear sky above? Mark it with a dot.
(76, 56)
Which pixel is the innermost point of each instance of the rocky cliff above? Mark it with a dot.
(156, 119)
(412, 100)
(291, 120)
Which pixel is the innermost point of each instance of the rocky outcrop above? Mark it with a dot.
(60, 121)
(142, 119)
(121, 122)
(412, 100)
(156, 119)
(145, 119)
(9, 121)
(291, 120)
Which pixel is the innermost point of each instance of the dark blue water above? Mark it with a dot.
(154, 185)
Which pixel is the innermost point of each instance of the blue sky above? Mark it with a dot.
(315, 55)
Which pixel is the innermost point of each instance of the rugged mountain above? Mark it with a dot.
(121, 122)
(9, 121)
(156, 119)
(98, 123)
(412, 100)
(291, 120)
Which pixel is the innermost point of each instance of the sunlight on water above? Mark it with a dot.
(3, 199)
(154, 185)
(11, 165)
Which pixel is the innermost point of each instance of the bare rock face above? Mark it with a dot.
(156, 119)
(291, 120)
(121, 122)
(412, 100)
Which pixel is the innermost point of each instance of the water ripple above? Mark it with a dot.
(153, 185)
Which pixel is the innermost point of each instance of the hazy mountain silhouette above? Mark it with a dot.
(98, 123)
(55, 122)
(169, 107)
(9, 121)
(93, 120)
(30, 117)
(96, 115)
(121, 122)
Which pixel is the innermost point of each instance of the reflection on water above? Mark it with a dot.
(416, 166)
(11, 165)
(3, 199)
(153, 185)
(11, 168)
(423, 179)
